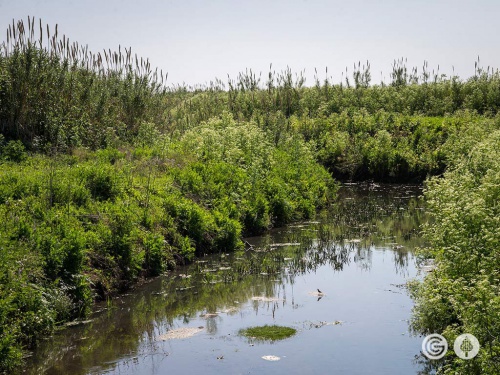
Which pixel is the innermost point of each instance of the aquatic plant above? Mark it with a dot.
(267, 332)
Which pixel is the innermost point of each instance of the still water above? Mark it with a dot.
(359, 254)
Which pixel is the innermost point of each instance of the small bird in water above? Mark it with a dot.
(320, 294)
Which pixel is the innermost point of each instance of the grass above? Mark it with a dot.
(268, 332)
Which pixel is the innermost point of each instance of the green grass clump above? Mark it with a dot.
(268, 332)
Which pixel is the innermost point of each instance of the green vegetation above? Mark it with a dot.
(267, 332)
(462, 295)
(108, 175)
(93, 222)
(97, 190)
(212, 285)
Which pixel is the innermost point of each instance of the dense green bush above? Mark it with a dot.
(462, 295)
(13, 151)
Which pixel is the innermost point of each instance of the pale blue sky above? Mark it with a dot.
(196, 41)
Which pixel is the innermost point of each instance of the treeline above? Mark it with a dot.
(57, 96)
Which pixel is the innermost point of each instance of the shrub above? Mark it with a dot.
(155, 259)
(462, 294)
(102, 182)
(14, 151)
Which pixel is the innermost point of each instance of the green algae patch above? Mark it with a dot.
(267, 332)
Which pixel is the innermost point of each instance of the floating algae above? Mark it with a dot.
(267, 332)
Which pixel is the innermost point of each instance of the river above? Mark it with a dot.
(358, 253)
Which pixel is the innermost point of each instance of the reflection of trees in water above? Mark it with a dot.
(363, 257)
(211, 324)
(365, 219)
(401, 261)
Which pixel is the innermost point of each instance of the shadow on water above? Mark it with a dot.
(265, 282)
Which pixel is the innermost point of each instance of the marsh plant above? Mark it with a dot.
(267, 332)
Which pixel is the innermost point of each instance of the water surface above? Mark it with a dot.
(359, 254)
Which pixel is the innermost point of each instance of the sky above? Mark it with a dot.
(196, 41)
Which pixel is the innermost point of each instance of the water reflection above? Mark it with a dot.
(368, 219)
